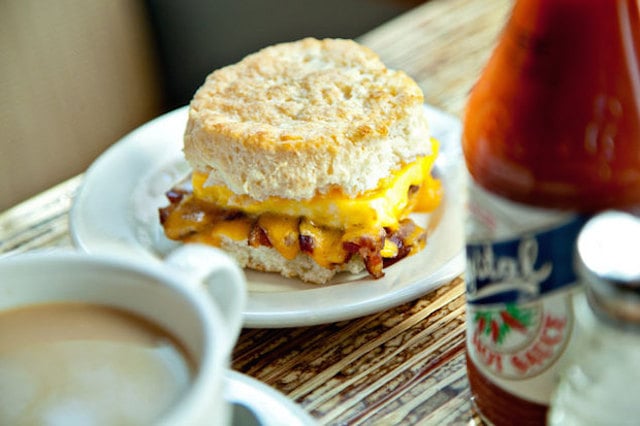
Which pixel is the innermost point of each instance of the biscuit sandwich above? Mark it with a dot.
(307, 159)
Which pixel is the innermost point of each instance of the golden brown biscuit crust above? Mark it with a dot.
(299, 118)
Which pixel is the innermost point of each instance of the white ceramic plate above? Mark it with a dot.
(256, 404)
(116, 211)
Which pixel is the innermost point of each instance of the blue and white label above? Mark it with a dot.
(521, 285)
(522, 269)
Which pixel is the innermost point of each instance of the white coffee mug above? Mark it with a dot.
(197, 301)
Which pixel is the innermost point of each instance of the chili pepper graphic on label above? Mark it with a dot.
(512, 322)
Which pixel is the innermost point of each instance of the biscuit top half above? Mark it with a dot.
(301, 118)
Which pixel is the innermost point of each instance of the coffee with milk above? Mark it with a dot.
(85, 363)
(108, 340)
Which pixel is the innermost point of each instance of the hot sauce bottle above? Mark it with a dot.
(551, 136)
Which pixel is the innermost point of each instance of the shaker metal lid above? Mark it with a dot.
(608, 261)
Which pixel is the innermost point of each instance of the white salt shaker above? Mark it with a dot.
(602, 384)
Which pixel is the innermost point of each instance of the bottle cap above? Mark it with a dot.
(608, 262)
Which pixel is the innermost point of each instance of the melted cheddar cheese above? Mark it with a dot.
(283, 233)
(322, 227)
(380, 207)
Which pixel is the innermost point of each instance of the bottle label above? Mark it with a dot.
(520, 280)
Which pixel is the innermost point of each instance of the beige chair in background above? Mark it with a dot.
(75, 76)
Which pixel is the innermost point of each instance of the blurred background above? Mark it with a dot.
(76, 76)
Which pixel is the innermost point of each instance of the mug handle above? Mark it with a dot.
(222, 277)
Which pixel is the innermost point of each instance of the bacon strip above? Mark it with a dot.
(258, 237)
(200, 216)
(369, 248)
